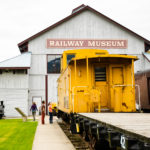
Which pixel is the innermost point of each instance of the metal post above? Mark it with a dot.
(75, 65)
(87, 69)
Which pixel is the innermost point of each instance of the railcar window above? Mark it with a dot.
(69, 57)
(53, 64)
(100, 73)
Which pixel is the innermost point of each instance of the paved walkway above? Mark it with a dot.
(50, 137)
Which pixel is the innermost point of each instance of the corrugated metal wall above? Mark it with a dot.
(14, 93)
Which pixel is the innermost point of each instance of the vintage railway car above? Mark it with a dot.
(95, 81)
(142, 79)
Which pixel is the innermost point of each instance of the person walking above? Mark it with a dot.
(33, 109)
(50, 113)
(43, 112)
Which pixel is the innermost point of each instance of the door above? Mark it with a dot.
(117, 75)
(52, 87)
(102, 85)
(38, 101)
(118, 81)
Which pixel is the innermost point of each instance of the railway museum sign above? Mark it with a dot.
(79, 43)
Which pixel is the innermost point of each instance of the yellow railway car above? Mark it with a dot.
(93, 80)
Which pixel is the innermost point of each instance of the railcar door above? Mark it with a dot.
(117, 82)
(101, 83)
(117, 75)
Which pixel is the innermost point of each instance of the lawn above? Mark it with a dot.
(16, 135)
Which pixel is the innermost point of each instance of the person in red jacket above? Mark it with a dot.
(43, 112)
(50, 113)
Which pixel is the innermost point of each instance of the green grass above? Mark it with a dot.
(16, 134)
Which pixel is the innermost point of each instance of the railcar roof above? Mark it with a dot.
(96, 53)
(83, 51)
(107, 56)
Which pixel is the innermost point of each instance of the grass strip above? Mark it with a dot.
(16, 134)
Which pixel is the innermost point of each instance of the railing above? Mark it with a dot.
(138, 87)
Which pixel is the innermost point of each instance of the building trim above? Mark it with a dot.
(38, 97)
(12, 68)
(47, 64)
(147, 72)
(146, 57)
(73, 15)
(77, 8)
(15, 89)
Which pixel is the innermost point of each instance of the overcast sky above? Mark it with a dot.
(20, 19)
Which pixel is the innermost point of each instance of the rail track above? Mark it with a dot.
(109, 131)
(78, 142)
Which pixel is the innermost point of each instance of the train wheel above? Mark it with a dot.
(85, 136)
(92, 142)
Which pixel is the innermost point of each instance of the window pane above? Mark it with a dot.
(53, 64)
(69, 57)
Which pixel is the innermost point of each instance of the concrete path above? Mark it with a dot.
(50, 137)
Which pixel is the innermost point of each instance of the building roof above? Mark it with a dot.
(22, 61)
(76, 12)
(147, 56)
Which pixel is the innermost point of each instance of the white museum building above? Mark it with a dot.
(32, 76)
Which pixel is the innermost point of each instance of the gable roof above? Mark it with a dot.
(76, 12)
(22, 61)
(147, 56)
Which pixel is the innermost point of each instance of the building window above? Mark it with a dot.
(100, 74)
(69, 57)
(147, 47)
(53, 64)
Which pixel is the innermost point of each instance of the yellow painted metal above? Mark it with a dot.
(87, 67)
(77, 128)
(75, 69)
(117, 79)
(117, 99)
(54, 107)
(82, 89)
